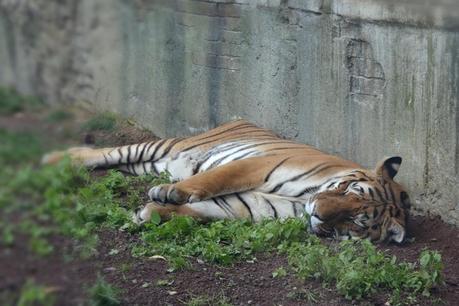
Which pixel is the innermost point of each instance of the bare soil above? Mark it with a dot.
(148, 282)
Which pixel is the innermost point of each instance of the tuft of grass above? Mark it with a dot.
(101, 122)
(358, 269)
(103, 294)
(59, 115)
(19, 147)
(12, 102)
(34, 294)
(204, 300)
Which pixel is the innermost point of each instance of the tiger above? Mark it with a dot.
(241, 171)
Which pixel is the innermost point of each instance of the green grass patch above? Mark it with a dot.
(12, 102)
(33, 294)
(59, 115)
(204, 300)
(19, 147)
(101, 122)
(103, 294)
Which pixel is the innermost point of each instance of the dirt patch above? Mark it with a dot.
(148, 282)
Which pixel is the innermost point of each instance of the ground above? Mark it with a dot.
(68, 277)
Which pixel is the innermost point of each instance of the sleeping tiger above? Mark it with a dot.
(239, 170)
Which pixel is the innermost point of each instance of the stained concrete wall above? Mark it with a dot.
(363, 79)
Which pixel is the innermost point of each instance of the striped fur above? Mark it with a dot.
(239, 170)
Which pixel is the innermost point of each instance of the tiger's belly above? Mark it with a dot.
(250, 205)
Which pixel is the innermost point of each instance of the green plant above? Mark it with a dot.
(279, 272)
(101, 122)
(11, 101)
(358, 269)
(203, 300)
(103, 294)
(34, 294)
(59, 115)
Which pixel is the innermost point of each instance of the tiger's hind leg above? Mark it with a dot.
(149, 157)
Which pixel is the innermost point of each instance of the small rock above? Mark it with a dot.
(110, 269)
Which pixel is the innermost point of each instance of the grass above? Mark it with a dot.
(103, 294)
(11, 102)
(59, 115)
(101, 122)
(204, 300)
(34, 294)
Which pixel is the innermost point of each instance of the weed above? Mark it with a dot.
(59, 115)
(18, 147)
(202, 300)
(12, 102)
(34, 294)
(101, 122)
(279, 272)
(103, 294)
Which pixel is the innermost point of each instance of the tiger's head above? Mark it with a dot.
(362, 204)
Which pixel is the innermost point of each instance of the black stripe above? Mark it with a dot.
(137, 151)
(312, 189)
(106, 160)
(169, 147)
(230, 208)
(121, 156)
(244, 155)
(286, 148)
(244, 147)
(272, 207)
(236, 138)
(362, 173)
(153, 167)
(128, 159)
(160, 144)
(295, 209)
(385, 193)
(237, 127)
(211, 153)
(275, 167)
(222, 207)
(245, 204)
(297, 177)
(133, 169)
(392, 193)
(150, 145)
(139, 159)
(379, 194)
(371, 193)
(210, 136)
(144, 169)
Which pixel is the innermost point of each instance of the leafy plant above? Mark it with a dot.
(11, 101)
(34, 294)
(103, 294)
(203, 300)
(101, 122)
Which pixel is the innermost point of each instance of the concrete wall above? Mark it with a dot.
(362, 79)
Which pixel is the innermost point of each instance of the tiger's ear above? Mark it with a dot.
(388, 167)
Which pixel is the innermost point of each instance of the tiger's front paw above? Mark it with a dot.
(170, 193)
